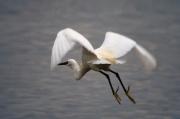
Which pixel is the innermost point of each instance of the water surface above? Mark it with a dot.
(28, 89)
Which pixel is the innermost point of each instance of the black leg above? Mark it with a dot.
(114, 93)
(107, 76)
(117, 75)
(126, 91)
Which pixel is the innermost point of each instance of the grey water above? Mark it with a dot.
(29, 90)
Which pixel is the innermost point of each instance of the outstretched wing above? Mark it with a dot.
(64, 42)
(113, 47)
(116, 46)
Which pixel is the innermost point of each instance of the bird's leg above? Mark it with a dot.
(114, 93)
(126, 91)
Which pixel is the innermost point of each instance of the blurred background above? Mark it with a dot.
(28, 89)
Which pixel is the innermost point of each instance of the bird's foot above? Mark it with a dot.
(129, 96)
(117, 96)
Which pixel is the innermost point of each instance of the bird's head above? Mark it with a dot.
(70, 63)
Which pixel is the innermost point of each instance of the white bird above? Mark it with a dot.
(113, 47)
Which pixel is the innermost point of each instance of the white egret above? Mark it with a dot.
(113, 47)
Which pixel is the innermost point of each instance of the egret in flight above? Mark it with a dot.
(109, 53)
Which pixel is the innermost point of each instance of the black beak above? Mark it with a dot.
(63, 63)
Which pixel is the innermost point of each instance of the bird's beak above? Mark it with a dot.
(63, 63)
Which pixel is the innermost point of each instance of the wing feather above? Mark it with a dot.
(147, 58)
(64, 42)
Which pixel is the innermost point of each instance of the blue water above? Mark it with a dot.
(29, 90)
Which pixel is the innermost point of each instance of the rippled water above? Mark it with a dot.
(28, 89)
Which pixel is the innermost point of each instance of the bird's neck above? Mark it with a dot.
(75, 67)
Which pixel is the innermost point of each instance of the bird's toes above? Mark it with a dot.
(117, 97)
(129, 96)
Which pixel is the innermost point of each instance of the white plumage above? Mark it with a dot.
(65, 41)
(113, 47)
